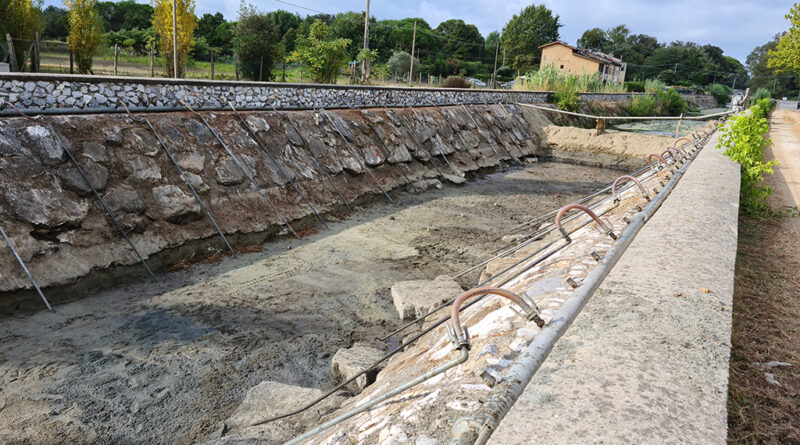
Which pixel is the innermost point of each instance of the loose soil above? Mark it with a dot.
(166, 363)
(766, 318)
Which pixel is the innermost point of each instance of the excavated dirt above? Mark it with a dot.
(166, 363)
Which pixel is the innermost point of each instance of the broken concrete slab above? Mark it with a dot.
(347, 362)
(269, 399)
(174, 205)
(418, 297)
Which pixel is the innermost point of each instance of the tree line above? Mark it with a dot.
(265, 41)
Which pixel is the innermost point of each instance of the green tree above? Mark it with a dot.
(84, 32)
(256, 43)
(461, 40)
(207, 25)
(693, 64)
(526, 32)
(126, 14)
(350, 26)
(321, 57)
(56, 23)
(400, 63)
(491, 40)
(594, 38)
(21, 19)
(765, 77)
(785, 58)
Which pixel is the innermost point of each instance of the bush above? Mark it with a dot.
(670, 103)
(456, 82)
(566, 96)
(761, 108)
(400, 63)
(761, 93)
(643, 106)
(653, 86)
(744, 142)
(721, 93)
(634, 87)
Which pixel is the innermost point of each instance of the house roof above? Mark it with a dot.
(588, 54)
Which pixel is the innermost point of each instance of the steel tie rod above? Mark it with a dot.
(457, 132)
(319, 164)
(386, 151)
(243, 169)
(530, 136)
(353, 152)
(275, 162)
(411, 136)
(433, 141)
(508, 133)
(183, 175)
(25, 268)
(91, 186)
(495, 135)
(478, 129)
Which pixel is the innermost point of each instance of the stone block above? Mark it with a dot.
(417, 297)
(347, 362)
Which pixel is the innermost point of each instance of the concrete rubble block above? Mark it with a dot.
(97, 174)
(348, 362)
(9, 144)
(417, 297)
(124, 199)
(257, 123)
(96, 152)
(228, 172)
(174, 205)
(372, 156)
(199, 131)
(143, 168)
(191, 161)
(145, 141)
(294, 136)
(45, 208)
(269, 399)
(44, 144)
(197, 182)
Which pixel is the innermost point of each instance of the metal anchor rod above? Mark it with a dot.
(25, 268)
(496, 136)
(319, 164)
(403, 123)
(433, 141)
(385, 150)
(243, 169)
(353, 152)
(508, 135)
(280, 169)
(102, 201)
(91, 186)
(180, 170)
(530, 136)
(478, 129)
(457, 132)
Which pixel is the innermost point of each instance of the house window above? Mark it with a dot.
(562, 67)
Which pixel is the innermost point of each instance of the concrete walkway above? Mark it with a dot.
(785, 180)
(647, 359)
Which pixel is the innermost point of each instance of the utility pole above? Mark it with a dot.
(734, 83)
(774, 81)
(413, 43)
(504, 57)
(174, 40)
(494, 73)
(365, 62)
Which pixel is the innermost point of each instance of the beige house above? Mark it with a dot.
(583, 61)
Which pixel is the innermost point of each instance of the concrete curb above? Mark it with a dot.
(647, 359)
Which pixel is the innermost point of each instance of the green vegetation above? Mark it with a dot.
(566, 95)
(84, 32)
(657, 102)
(744, 140)
(760, 94)
(256, 42)
(522, 44)
(721, 93)
(321, 55)
(550, 78)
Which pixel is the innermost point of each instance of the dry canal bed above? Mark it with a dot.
(167, 363)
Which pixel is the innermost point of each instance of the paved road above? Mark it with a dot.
(785, 181)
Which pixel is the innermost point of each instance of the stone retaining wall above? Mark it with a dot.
(62, 233)
(34, 92)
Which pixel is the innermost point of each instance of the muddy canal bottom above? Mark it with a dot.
(167, 363)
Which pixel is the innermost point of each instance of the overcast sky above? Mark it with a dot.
(736, 26)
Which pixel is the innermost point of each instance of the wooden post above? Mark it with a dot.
(116, 53)
(494, 73)
(261, 69)
(174, 40)
(36, 65)
(678, 128)
(365, 63)
(12, 56)
(211, 55)
(236, 63)
(413, 44)
(283, 76)
(71, 69)
(601, 127)
(152, 63)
